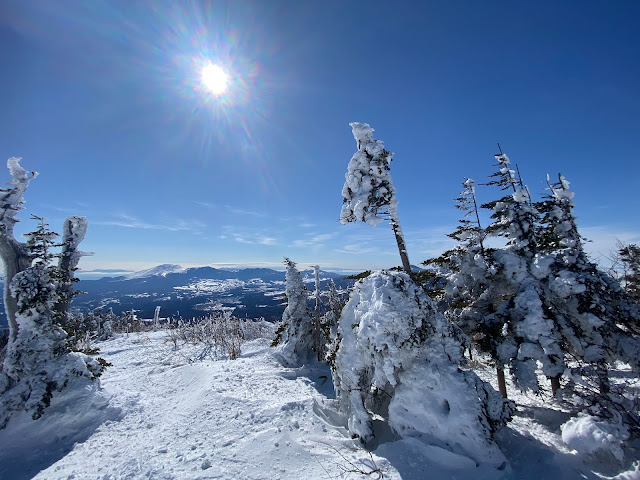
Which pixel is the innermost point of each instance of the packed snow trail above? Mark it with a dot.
(241, 419)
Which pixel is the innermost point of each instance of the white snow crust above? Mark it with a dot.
(172, 418)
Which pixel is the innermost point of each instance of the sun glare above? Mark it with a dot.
(214, 79)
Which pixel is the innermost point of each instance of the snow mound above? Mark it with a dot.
(398, 360)
(587, 435)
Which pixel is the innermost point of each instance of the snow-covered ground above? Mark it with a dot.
(163, 415)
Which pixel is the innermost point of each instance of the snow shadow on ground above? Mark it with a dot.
(531, 458)
(28, 446)
(317, 374)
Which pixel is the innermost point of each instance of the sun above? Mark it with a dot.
(214, 79)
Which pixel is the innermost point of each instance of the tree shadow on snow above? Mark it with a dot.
(317, 374)
(29, 446)
(531, 458)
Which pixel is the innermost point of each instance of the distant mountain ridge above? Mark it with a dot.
(197, 291)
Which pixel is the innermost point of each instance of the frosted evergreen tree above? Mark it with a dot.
(629, 259)
(294, 338)
(594, 313)
(15, 255)
(399, 359)
(38, 362)
(318, 337)
(527, 334)
(73, 232)
(469, 232)
(368, 193)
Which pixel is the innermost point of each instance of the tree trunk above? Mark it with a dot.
(397, 231)
(555, 384)
(502, 384)
(15, 259)
(316, 318)
(604, 387)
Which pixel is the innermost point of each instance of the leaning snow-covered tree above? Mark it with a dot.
(37, 295)
(368, 193)
(399, 360)
(294, 338)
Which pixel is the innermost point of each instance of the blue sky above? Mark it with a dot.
(104, 99)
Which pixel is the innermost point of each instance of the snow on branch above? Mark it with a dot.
(11, 197)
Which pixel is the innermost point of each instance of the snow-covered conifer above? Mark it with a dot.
(368, 193)
(469, 232)
(294, 337)
(38, 362)
(629, 256)
(399, 359)
(514, 215)
(73, 233)
(318, 337)
(594, 314)
(15, 254)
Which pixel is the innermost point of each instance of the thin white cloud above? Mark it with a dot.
(256, 240)
(129, 221)
(242, 211)
(315, 240)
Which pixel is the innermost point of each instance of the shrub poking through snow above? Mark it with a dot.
(294, 338)
(399, 359)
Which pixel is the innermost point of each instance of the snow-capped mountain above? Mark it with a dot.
(160, 270)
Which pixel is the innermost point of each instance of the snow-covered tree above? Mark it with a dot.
(318, 337)
(73, 233)
(37, 294)
(399, 358)
(368, 193)
(294, 338)
(469, 231)
(15, 255)
(595, 316)
(626, 268)
(38, 362)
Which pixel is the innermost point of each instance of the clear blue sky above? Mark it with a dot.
(104, 99)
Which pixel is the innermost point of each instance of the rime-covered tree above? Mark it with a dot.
(368, 193)
(15, 255)
(594, 314)
(294, 338)
(469, 232)
(38, 362)
(627, 260)
(37, 294)
(398, 359)
(318, 337)
(529, 335)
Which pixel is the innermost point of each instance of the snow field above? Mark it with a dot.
(251, 418)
